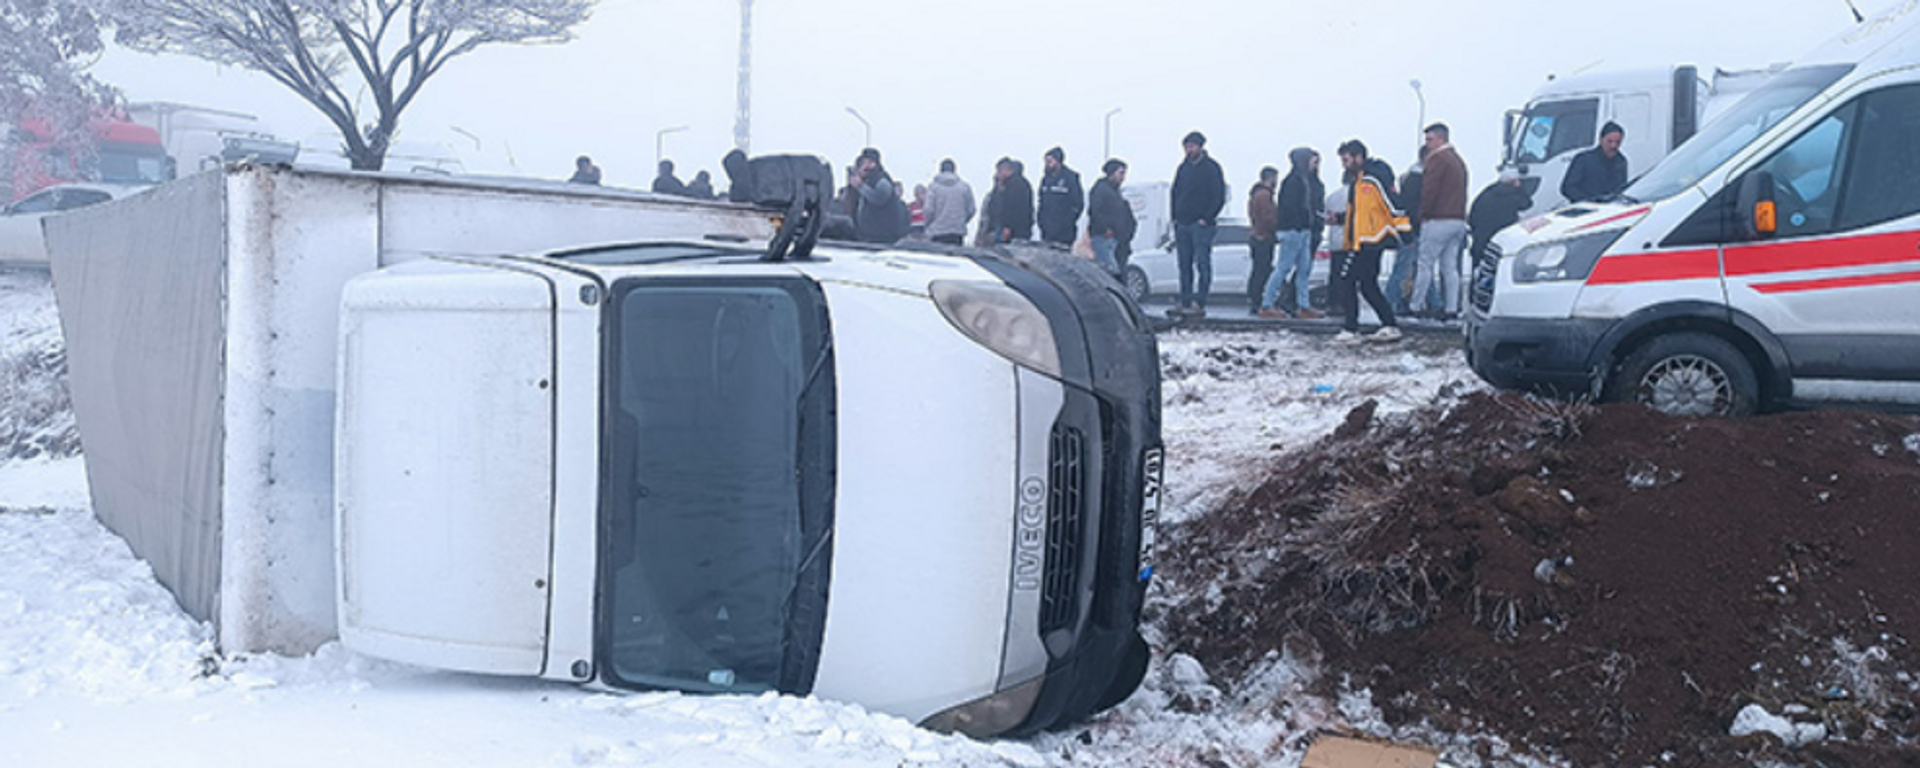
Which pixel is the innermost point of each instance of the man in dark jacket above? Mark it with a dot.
(584, 171)
(1110, 222)
(1061, 199)
(1300, 217)
(1264, 215)
(879, 215)
(1012, 202)
(1600, 172)
(1199, 192)
(1496, 208)
(701, 188)
(667, 183)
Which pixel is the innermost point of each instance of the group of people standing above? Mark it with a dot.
(1423, 216)
(944, 209)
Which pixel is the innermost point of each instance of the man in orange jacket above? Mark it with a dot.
(1374, 222)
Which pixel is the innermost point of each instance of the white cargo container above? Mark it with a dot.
(201, 324)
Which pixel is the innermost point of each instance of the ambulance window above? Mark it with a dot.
(1881, 184)
(1805, 172)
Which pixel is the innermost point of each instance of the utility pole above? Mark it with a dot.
(660, 142)
(743, 94)
(863, 124)
(1106, 135)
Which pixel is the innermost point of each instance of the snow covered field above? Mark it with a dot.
(98, 666)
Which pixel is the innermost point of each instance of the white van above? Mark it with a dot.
(1773, 260)
(919, 481)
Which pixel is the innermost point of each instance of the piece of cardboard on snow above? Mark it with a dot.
(1344, 752)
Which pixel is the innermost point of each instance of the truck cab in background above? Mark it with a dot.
(123, 153)
(200, 138)
(1659, 108)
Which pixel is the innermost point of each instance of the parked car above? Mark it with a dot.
(1769, 262)
(22, 244)
(1154, 275)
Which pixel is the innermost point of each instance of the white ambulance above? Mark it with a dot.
(1772, 261)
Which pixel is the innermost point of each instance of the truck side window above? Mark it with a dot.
(1883, 181)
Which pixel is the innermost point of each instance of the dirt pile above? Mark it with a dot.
(1606, 585)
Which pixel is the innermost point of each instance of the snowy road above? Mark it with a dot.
(99, 667)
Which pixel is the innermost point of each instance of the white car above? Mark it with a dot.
(922, 482)
(1154, 275)
(21, 242)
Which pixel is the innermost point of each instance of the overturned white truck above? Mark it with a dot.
(621, 440)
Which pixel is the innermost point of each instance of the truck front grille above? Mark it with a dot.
(1485, 273)
(1066, 521)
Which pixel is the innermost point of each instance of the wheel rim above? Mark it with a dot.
(1687, 385)
(1136, 284)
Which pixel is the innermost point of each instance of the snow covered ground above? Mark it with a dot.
(98, 666)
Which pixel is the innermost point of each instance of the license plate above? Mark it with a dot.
(1152, 477)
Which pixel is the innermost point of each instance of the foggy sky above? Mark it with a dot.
(980, 79)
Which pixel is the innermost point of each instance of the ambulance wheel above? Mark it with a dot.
(1687, 374)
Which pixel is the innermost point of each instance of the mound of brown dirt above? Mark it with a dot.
(1607, 585)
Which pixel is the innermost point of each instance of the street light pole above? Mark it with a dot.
(863, 123)
(660, 142)
(1106, 135)
(1421, 129)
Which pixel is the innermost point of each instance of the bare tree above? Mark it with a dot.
(319, 48)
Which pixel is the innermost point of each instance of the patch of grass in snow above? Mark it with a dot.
(36, 413)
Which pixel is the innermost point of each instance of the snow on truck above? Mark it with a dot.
(1773, 260)
(670, 444)
(1660, 108)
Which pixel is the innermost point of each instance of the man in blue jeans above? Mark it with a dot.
(1199, 192)
(1301, 215)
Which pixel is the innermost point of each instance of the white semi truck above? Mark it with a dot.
(201, 138)
(1660, 108)
(621, 440)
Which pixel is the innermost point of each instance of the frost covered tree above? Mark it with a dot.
(325, 50)
(45, 46)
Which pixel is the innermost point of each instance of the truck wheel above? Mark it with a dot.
(1687, 374)
(1137, 285)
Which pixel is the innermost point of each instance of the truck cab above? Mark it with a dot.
(920, 481)
(1771, 261)
(1660, 108)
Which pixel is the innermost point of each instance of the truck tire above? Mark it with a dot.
(1687, 374)
(1138, 287)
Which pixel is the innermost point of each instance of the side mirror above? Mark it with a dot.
(1756, 212)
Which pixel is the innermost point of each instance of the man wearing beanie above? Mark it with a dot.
(1061, 200)
(1199, 192)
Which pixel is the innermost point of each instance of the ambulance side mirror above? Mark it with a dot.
(1757, 214)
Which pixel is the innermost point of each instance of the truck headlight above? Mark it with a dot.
(1570, 259)
(1000, 319)
(990, 716)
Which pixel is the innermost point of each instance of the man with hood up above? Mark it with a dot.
(1061, 199)
(949, 206)
(1012, 210)
(1301, 214)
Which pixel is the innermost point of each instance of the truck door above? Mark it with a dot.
(1839, 282)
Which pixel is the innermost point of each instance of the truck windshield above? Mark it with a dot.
(1747, 120)
(122, 163)
(1551, 128)
(717, 489)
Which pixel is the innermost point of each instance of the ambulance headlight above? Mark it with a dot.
(1560, 260)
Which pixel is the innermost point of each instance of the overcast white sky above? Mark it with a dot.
(979, 79)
